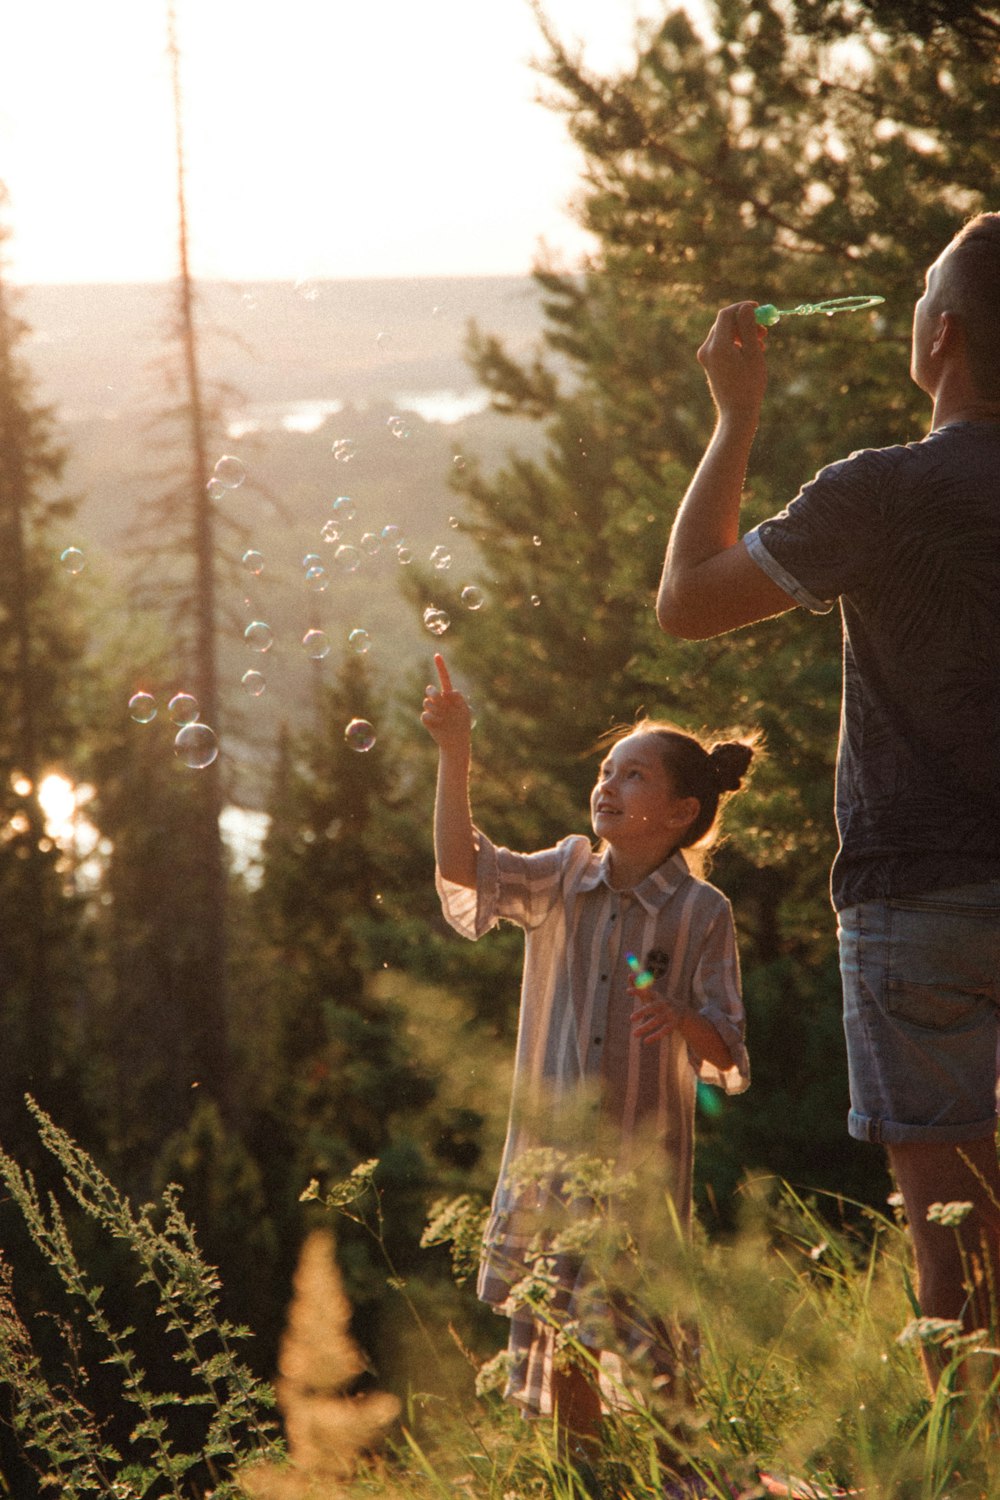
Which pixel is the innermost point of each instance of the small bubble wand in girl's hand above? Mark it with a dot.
(641, 978)
(767, 315)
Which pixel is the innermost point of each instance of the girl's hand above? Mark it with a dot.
(446, 716)
(652, 1018)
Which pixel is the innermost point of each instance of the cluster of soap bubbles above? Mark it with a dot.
(195, 744)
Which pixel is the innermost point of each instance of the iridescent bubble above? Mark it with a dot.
(359, 641)
(317, 579)
(453, 522)
(73, 560)
(259, 636)
(253, 683)
(441, 558)
(399, 427)
(312, 560)
(348, 558)
(344, 508)
(344, 450)
(142, 707)
(370, 543)
(330, 531)
(536, 600)
(393, 536)
(459, 462)
(254, 562)
(216, 489)
(316, 644)
(405, 555)
(182, 708)
(230, 472)
(436, 620)
(472, 597)
(359, 735)
(196, 746)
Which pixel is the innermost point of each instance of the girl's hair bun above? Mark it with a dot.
(730, 761)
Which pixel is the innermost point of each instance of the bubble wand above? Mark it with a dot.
(642, 977)
(768, 314)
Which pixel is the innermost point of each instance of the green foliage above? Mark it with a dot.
(76, 1444)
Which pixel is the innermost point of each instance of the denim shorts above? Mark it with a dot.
(922, 1014)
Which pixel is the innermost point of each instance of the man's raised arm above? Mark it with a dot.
(710, 583)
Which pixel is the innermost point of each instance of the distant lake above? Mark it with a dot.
(442, 406)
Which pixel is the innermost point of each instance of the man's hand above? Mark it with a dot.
(733, 359)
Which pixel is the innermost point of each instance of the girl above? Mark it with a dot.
(630, 986)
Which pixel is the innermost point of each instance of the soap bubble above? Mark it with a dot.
(312, 560)
(73, 560)
(536, 600)
(537, 541)
(393, 536)
(183, 709)
(436, 620)
(317, 579)
(383, 340)
(253, 562)
(230, 472)
(459, 462)
(359, 735)
(344, 508)
(330, 531)
(359, 641)
(253, 683)
(142, 707)
(307, 289)
(348, 558)
(472, 597)
(315, 644)
(441, 558)
(196, 746)
(399, 427)
(370, 543)
(344, 449)
(453, 522)
(404, 554)
(259, 636)
(216, 489)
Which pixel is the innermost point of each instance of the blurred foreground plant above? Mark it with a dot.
(179, 1439)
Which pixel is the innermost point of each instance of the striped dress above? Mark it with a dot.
(575, 1041)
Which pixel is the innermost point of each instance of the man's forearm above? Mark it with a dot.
(707, 521)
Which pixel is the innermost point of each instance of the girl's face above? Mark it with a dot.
(634, 806)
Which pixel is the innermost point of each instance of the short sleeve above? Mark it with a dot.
(827, 541)
(520, 888)
(717, 998)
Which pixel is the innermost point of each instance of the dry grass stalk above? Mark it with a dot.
(327, 1429)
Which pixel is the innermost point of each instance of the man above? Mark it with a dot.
(908, 539)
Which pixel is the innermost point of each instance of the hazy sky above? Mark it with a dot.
(325, 138)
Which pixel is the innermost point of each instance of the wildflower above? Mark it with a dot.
(929, 1331)
(948, 1214)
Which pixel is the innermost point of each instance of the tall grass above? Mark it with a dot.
(800, 1357)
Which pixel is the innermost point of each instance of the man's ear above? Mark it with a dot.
(946, 335)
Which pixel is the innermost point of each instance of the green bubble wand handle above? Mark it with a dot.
(642, 978)
(768, 314)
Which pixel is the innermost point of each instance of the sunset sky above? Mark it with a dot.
(325, 138)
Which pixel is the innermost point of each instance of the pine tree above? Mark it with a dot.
(769, 163)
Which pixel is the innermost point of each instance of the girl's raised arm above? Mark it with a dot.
(447, 719)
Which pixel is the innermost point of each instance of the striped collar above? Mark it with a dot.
(653, 892)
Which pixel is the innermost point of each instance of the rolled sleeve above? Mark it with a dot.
(718, 1000)
(781, 576)
(520, 888)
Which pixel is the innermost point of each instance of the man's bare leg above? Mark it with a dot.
(958, 1268)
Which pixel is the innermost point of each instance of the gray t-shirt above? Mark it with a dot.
(908, 539)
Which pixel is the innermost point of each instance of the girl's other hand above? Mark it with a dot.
(446, 715)
(652, 1019)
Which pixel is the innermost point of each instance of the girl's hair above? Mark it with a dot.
(705, 772)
